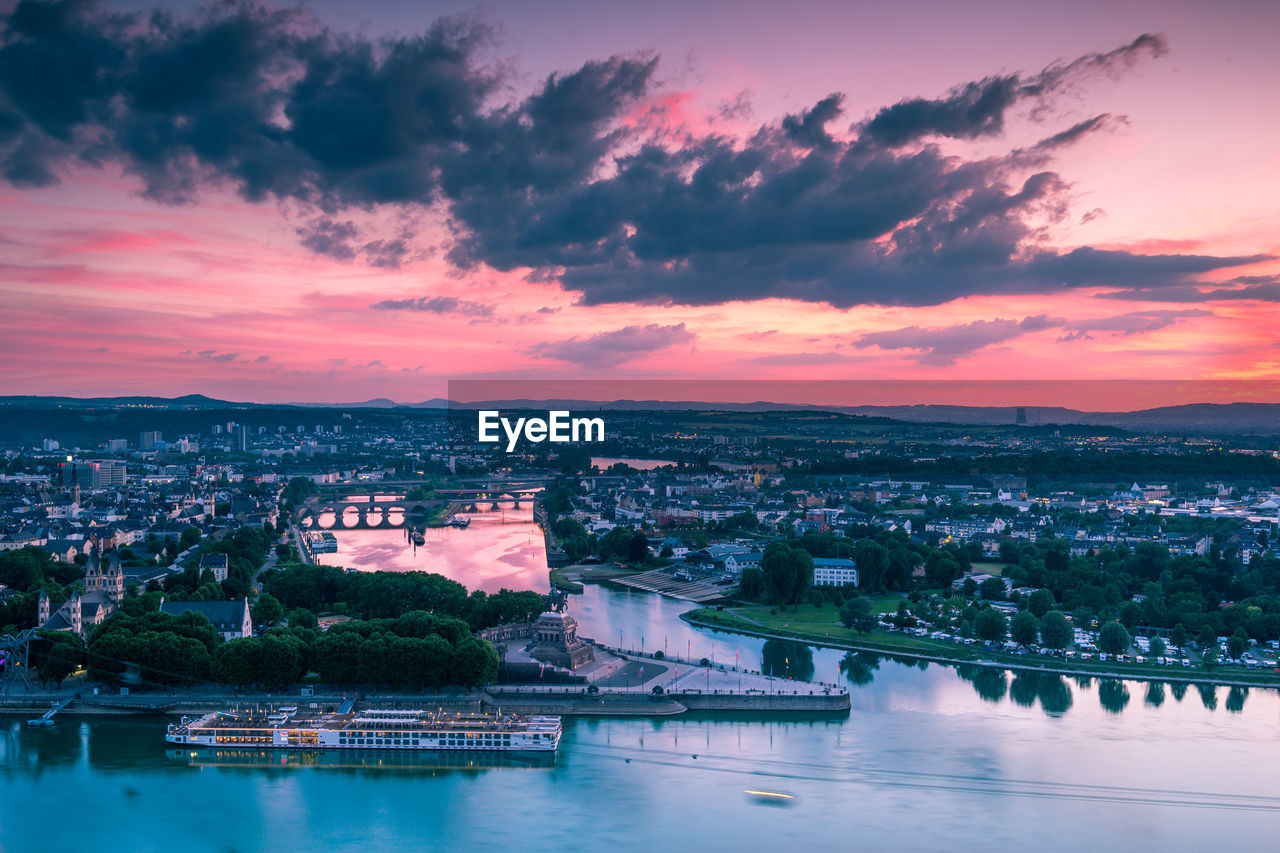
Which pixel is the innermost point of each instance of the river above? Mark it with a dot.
(605, 462)
(502, 547)
(930, 758)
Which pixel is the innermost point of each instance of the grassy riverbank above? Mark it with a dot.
(817, 626)
(438, 516)
(571, 578)
(560, 582)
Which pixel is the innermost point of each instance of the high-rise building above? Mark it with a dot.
(117, 445)
(148, 439)
(92, 474)
(49, 444)
(242, 438)
(109, 472)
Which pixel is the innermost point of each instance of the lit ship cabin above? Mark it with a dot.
(284, 728)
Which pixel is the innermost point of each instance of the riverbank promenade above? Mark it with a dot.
(695, 688)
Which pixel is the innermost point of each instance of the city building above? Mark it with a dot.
(230, 618)
(834, 571)
(104, 590)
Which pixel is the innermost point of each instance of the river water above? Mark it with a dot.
(930, 758)
(604, 462)
(502, 547)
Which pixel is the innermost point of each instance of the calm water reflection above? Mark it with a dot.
(501, 548)
(925, 761)
(603, 462)
(932, 757)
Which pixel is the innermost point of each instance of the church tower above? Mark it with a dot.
(93, 575)
(74, 614)
(42, 614)
(113, 579)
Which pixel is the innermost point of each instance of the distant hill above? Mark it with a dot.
(1192, 417)
(1209, 417)
(187, 401)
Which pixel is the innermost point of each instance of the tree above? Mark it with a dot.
(338, 657)
(303, 618)
(1040, 603)
(438, 657)
(236, 662)
(1025, 628)
(752, 584)
(1206, 638)
(638, 549)
(858, 613)
(474, 662)
(901, 564)
(788, 572)
(1055, 630)
(190, 536)
(992, 589)
(616, 542)
(1178, 636)
(56, 655)
(1114, 639)
(1157, 647)
(23, 569)
(990, 624)
(872, 560)
(267, 610)
(940, 569)
(1130, 614)
(280, 660)
(1237, 643)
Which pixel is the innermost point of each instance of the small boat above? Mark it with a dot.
(418, 538)
(460, 521)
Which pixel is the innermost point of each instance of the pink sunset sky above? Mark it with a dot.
(341, 202)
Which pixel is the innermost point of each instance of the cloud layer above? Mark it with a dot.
(944, 346)
(810, 207)
(609, 349)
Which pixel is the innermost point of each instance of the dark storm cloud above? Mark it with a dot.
(328, 237)
(980, 108)
(436, 305)
(342, 241)
(556, 184)
(606, 349)
(809, 129)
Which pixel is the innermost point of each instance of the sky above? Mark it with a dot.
(339, 202)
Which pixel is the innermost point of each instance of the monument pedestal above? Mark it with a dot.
(554, 640)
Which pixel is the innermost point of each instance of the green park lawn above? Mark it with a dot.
(821, 624)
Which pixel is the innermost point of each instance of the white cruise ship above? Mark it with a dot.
(286, 728)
